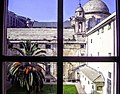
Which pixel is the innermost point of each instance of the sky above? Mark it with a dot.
(46, 10)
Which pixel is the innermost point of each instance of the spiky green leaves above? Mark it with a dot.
(28, 49)
(27, 76)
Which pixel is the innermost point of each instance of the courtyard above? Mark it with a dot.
(50, 88)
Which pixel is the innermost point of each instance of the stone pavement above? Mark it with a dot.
(79, 88)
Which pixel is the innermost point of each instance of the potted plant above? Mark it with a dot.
(27, 74)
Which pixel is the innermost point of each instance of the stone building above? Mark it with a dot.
(92, 80)
(95, 12)
(48, 44)
(101, 41)
(79, 32)
(74, 38)
(16, 21)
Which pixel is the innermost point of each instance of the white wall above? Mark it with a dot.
(104, 68)
(84, 82)
(104, 43)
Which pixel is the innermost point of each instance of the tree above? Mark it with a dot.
(27, 75)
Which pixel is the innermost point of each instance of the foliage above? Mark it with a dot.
(26, 74)
(29, 49)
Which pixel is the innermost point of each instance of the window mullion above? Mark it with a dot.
(118, 46)
(60, 48)
(3, 41)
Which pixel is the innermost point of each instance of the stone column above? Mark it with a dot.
(76, 27)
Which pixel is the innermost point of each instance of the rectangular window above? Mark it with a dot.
(91, 41)
(59, 58)
(102, 30)
(82, 46)
(98, 53)
(98, 32)
(109, 26)
(109, 54)
(92, 86)
(39, 29)
(88, 82)
(48, 46)
(109, 74)
(108, 86)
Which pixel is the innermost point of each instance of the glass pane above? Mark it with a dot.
(90, 30)
(29, 20)
(30, 77)
(89, 77)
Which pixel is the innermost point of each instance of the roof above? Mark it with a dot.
(79, 8)
(80, 66)
(37, 34)
(95, 6)
(37, 24)
(44, 24)
(109, 19)
(92, 74)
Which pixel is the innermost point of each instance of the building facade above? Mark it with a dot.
(98, 43)
(16, 21)
(90, 32)
(92, 80)
(95, 12)
(101, 41)
(72, 47)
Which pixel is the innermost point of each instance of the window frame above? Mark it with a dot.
(109, 26)
(59, 59)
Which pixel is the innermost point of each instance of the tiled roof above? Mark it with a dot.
(92, 74)
(37, 33)
(44, 24)
(37, 24)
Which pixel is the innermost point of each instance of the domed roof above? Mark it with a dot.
(95, 6)
(79, 8)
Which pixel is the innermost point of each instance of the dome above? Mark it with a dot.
(79, 9)
(95, 6)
